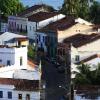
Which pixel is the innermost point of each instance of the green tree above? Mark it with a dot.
(95, 12)
(80, 8)
(10, 7)
(31, 52)
(83, 77)
(97, 75)
(70, 6)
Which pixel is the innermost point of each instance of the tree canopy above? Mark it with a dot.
(10, 7)
(80, 8)
(87, 77)
(95, 12)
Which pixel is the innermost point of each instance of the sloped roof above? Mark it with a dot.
(89, 58)
(79, 40)
(21, 84)
(30, 9)
(82, 21)
(41, 16)
(61, 24)
(8, 36)
(96, 26)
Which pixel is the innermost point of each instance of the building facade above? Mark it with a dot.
(19, 89)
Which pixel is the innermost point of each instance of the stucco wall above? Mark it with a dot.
(31, 28)
(75, 29)
(13, 54)
(34, 95)
(19, 21)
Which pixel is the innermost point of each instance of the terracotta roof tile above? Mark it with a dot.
(41, 16)
(31, 63)
(21, 39)
(96, 26)
(89, 58)
(79, 40)
(62, 24)
(30, 9)
(21, 84)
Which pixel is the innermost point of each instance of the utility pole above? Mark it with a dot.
(69, 83)
(68, 73)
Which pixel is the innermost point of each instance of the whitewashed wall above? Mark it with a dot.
(13, 54)
(4, 27)
(19, 21)
(31, 28)
(34, 95)
(86, 50)
(50, 20)
(21, 52)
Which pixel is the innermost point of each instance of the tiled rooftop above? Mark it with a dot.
(41, 16)
(59, 25)
(21, 84)
(79, 40)
(30, 9)
(89, 58)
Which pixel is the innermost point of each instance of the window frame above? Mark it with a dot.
(9, 95)
(1, 94)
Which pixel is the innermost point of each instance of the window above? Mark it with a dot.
(1, 94)
(27, 97)
(33, 28)
(26, 28)
(21, 61)
(30, 28)
(20, 96)
(15, 24)
(0, 60)
(39, 37)
(8, 62)
(43, 39)
(9, 95)
(21, 28)
(41, 45)
(17, 27)
(77, 58)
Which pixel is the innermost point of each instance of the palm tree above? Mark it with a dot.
(97, 75)
(84, 75)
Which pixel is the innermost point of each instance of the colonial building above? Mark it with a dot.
(84, 48)
(19, 89)
(18, 80)
(56, 32)
(32, 19)
(4, 27)
(49, 33)
(13, 50)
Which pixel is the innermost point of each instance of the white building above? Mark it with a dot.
(4, 27)
(13, 50)
(17, 24)
(17, 80)
(19, 89)
(84, 47)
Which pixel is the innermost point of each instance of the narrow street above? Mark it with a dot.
(54, 79)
